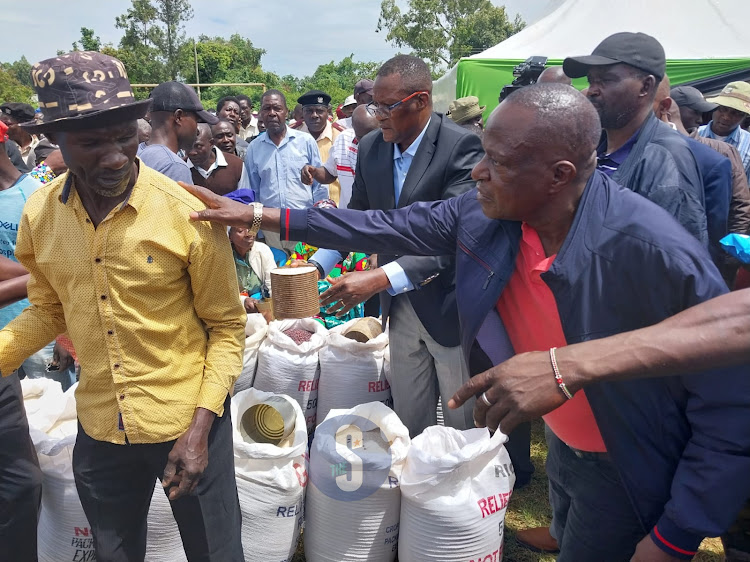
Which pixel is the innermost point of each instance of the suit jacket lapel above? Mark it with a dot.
(385, 190)
(421, 161)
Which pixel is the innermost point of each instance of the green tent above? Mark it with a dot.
(705, 41)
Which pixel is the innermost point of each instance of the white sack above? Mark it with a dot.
(287, 368)
(455, 489)
(271, 483)
(352, 373)
(255, 332)
(353, 499)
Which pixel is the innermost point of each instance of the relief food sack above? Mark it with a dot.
(353, 498)
(352, 372)
(163, 540)
(285, 367)
(455, 489)
(271, 481)
(63, 533)
(255, 332)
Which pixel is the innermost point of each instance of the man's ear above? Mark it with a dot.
(662, 109)
(177, 115)
(564, 173)
(648, 85)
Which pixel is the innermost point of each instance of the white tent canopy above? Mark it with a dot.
(688, 29)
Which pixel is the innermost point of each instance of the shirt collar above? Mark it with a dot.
(620, 155)
(290, 134)
(412, 150)
(534, 250)
(734, 136)
(134, 198)
(327, 132)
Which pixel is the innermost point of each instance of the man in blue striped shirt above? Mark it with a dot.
(734, 107)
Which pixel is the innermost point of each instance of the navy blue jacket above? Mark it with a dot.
(682, 443)
(663, 169)
(716, 172)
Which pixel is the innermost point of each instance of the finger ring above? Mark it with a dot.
(485, 399)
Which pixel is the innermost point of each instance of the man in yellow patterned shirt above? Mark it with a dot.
(149, 301)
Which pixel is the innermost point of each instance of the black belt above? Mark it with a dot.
(590, 455)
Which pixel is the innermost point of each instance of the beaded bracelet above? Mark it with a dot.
(558, 376)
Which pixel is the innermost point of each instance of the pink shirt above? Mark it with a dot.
(528, 310)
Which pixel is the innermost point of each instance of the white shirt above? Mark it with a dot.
(221, 162)
(341, 163)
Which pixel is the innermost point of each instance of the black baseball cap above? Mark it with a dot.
(635, 49)
(171, 96)
(692, 98)
(21, 112)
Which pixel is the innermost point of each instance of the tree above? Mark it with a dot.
(443, 31)
(153, 45)
(11, 89)
(226, 60)
(338, 79)
(89, 41)
(20, 70)
(173, 14)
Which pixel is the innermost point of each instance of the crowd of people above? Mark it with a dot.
(561, 260)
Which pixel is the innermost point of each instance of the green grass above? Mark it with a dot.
(530, 508)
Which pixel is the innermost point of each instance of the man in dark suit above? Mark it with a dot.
(417, 155)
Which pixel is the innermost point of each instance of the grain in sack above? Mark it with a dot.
(271, 481)
(455, 488)
(353, 498)
(352, 372)
(284, 367)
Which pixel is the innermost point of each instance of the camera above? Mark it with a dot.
(526, 74)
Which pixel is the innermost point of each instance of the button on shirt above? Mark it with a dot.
(148, 297)
(274, 171)
(609, 163)
(739, 139)
(400, 283)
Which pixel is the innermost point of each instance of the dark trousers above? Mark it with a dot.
(20, 477)
(116, 482)
(592, 517)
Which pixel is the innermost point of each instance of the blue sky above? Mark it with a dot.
(298, 35)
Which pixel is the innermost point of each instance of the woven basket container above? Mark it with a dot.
(364, 329)
(295, 292)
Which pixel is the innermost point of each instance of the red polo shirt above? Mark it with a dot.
(528, 310)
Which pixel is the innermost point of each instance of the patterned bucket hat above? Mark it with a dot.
(81, 90)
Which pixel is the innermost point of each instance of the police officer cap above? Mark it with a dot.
(314, 97)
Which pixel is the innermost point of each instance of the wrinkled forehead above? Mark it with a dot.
(272, 100)
(222, 128)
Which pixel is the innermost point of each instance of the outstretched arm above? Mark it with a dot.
(711, 335)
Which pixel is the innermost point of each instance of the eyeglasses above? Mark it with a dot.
(375, 109)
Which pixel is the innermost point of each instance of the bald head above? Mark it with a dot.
(554, 75)
(363, 122)
(204, 132)
(540, 150)
(564, 122)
